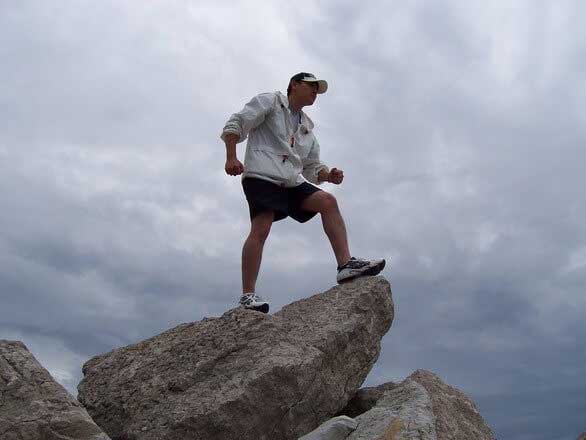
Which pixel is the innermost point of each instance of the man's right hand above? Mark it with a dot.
(234, 167)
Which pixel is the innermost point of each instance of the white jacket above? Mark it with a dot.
(265, 120)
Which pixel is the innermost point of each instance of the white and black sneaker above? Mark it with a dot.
(358, 267)
(254, 302)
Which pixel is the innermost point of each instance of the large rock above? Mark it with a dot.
(35, 407)
(404, 412)
(422, 407)
(337, 428)
(245, 375)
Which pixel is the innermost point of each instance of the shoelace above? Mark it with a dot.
(354, 263)
(252, 297)
(357, 263)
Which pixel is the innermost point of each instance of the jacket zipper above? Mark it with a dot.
(286, 116)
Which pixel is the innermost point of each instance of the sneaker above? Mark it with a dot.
(358, 267)
(254, 302)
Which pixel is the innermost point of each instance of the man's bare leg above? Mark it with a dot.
(333, 223)
(252, 249)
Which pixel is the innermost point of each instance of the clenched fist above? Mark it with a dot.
(234, 167)
(336, 176)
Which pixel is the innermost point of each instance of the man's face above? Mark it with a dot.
(306, 92)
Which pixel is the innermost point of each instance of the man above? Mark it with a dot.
(282, 156)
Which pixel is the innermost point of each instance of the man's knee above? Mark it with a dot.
(321, 201)
(329, 202)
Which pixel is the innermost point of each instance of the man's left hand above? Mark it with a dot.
(336, 176)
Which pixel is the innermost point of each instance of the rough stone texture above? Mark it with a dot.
(422, 407)
(35, 407)
(337, 428)
(245, 375)
(403, 413)
(365, 399)
(456, 415)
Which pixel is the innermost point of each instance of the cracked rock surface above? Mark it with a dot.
(244, 375)
(35, 407)
(422, 407)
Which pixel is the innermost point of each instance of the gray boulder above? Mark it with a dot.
(404, 412)
(337, 428)
(244, 375)
(422, 407)
(35, 407)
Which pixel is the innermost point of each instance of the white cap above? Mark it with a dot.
(322, 85)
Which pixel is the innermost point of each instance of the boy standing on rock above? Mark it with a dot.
(281, 168)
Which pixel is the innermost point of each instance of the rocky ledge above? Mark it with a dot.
(244, 375)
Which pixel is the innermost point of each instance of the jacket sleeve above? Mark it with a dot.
(312, 164)
(250, 117)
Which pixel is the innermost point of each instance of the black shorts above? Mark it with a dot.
(266, 196)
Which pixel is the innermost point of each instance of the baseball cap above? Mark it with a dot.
(322, 85)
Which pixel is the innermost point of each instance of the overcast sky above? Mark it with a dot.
(461, 129)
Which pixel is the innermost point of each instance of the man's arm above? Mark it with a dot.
(233, 166)
(316, 171)
(334, 176)
(251, 116)
(323, 176)
(239, 125)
